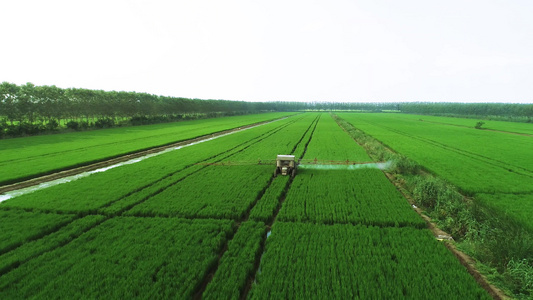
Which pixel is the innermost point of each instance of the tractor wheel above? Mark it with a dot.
(276, 172)
(293, 173)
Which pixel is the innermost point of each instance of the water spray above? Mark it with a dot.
(379, 165)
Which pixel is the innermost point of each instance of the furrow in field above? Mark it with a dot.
(223, 275)
(280, 199)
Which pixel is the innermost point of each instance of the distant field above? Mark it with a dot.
(515, 127)
(496, 166)
(188, 224)
(22, 158)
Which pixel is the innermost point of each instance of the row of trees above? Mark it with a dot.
(29, 109)
(469, 109)
(30, 103)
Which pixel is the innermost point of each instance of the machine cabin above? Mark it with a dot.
(285, 164)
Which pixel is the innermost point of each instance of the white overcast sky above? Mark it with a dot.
(335, 50)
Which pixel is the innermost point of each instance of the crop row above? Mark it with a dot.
(338, 196)
(310, 261)
(330, 143)
(31, 156)
(349, 234)
(269, 203)
(18, 227)
(223, 192)
(124, 258)
(207, 242)
(46, 242)
(237, 264)
(289, 140)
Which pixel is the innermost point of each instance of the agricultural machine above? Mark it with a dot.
(285, 164)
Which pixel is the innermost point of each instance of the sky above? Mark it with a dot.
(335, 50)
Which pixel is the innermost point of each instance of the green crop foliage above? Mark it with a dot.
(513, 127)
(17, 227)
(237, 264)
(309, 261)
(335, 196)
(220, 192)
(124, 258)
(49, 242)
(330, 143)
(284, 141)
(268, 204)
(224, 191)
(517, 206)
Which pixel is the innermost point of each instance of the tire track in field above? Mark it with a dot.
(273, 219)
(211, 273)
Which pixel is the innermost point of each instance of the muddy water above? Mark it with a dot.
(20, 192)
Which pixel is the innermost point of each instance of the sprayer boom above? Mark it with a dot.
(332, 162)
(282, 158)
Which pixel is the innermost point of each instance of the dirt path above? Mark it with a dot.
(116, 160)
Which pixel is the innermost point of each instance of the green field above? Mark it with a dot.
(23, 158)
(512, 127)
(190, 224)
(495, 167)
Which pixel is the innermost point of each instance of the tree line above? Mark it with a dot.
(28, 109)
(520, 112)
